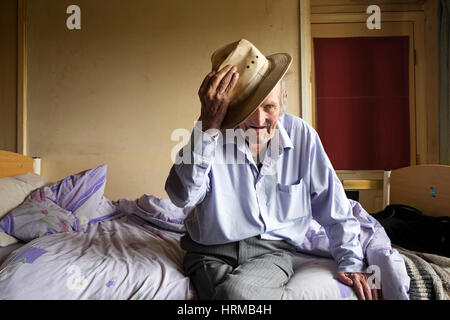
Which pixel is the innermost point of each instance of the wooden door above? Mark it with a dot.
(364, 102)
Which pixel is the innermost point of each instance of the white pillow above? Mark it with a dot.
(6, 239)
(14, 190)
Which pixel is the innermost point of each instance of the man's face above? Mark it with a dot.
(263, 121)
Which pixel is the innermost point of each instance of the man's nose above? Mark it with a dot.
(259, 117)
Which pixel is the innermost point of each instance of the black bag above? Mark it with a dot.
(407, 227)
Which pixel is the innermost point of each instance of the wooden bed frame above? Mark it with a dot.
(424, 187)
(12, 164)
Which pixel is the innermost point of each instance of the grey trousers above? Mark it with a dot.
(245, 270)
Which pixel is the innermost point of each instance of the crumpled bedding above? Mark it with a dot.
(80, 245)
(124, 258)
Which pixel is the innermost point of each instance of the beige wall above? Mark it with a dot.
(114, 91)
(8, 75)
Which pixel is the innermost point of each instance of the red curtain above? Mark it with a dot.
(362, 87)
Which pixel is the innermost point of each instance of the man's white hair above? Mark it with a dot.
(283, 97)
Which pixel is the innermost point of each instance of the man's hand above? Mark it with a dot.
(215, 94)
(359, 282)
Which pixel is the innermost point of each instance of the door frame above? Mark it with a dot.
(22, 81)
(419, 141)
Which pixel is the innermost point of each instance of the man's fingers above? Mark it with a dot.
(372, 287)
(233, 82)
(374, 294)
(344, 278)
(223, 85)
(360, 285)
(367, 291)
(214, 106)
(218, 77)
(359, 289)
(205, 82)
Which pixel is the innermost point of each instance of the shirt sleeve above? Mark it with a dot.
(188, 179)
(331, 208)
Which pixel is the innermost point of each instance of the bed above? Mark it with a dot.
(68, 238)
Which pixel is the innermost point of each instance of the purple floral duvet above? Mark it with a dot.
(125, 258)
(80, 245)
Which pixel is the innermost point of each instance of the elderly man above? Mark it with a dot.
(248, 216)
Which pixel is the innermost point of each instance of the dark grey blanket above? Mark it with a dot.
(429, 273)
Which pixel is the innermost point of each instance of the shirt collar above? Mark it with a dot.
(285, 140)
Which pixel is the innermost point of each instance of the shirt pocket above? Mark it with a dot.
(292, 201)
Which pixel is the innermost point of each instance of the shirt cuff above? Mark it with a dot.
(351, 264)
(203, 145)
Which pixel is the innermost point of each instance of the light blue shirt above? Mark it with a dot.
(234, 201)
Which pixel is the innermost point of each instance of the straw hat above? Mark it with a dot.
(258, 75)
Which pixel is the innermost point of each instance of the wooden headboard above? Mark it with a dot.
(424, 187)
(12, 164)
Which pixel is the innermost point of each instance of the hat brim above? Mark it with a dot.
(239, 112)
